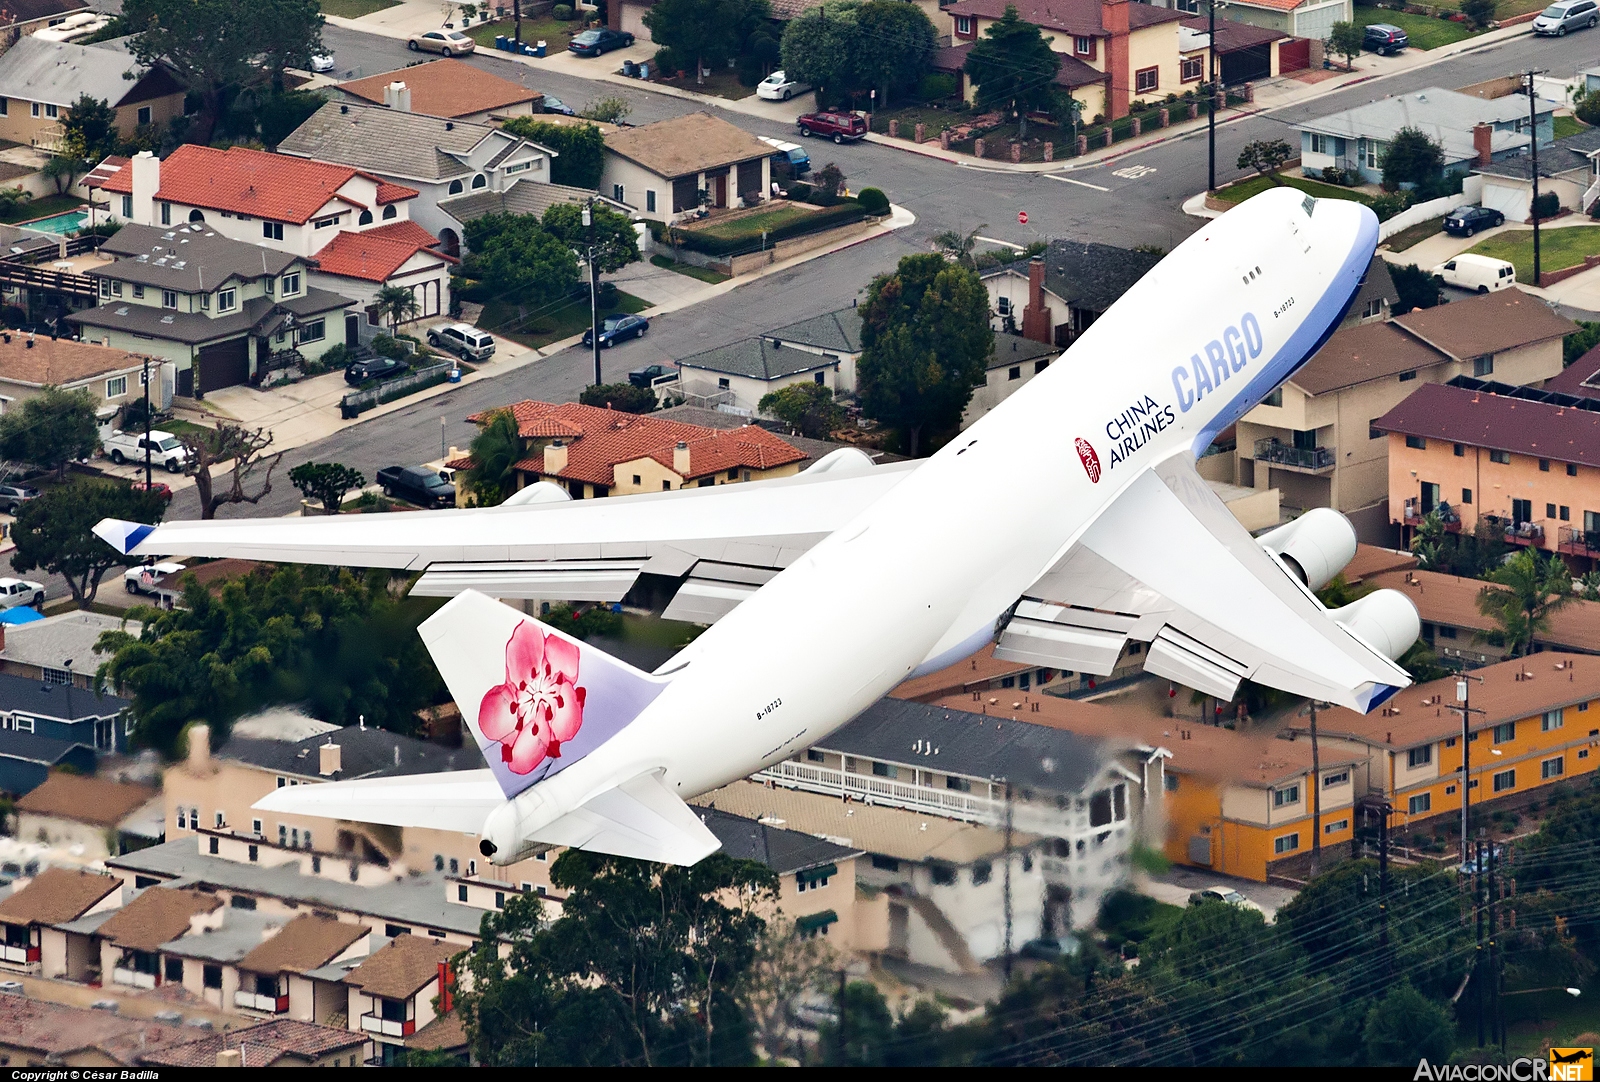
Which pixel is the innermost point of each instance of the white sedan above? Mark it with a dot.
(1225, 894)
(779, 87)
(14, 592)
(322, 63)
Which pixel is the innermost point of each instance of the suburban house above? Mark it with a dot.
(1469, 129)
(54, 1036)
(1311, 19)
(54, 896)
(821, 350)
(1245, 52)
(125, 949)
(451, 89)
(661, 169)
(391, 995)
(20, 19)
(1376, 297)
(29, 363)
(274, 977)
(593, 452)
(1014, 362)
(1569, 167)
(1314, 437)
(806, 866)
(59, 648)
(467, 160)
(280, 1042)
(84, 815)
(44, 725)
(1535, 722)
(41, 80)
(293, 205)
(1066, 289)
(220, 310)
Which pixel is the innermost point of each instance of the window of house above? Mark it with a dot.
(1417, 443)
(1330, 780)
(1336, 826)
(219, 820)
(127, 205)
(166, 213)
(1406, 377)
(393, 1010)
(211, 976)
(1083, 46)
(240, 901)
(479, 181)
(144, 114)
(1002, 306)
(455, 866)
(1374, 308)
(885, 770)
(1422, 756)
(1553, 768)
(5, 107)
(943, 875)
(326, 223)
(1100, 808)
(1371, 152)
(389, 212)
(1146, 80)
(34, 106)
(290, 284)
(963, 24)
(650, 200)
(1572, 469)
(1502, 457)
(814, 756)
(1169, 782)
(227, 299)
(1419, 803)
(461, 892)
(272, 230)
(1564, 513)
(960, 785)
(1192, 69)
(1483, 366)
(1286, 844)
(887, 864)
(205, 302)
(722, 383)
(1505, 733)
(52, 111)
(1373, 431)
(1506, 779)
(616, 192)
(364, 218)
(315, 331)
(283, 835)
(1015, 372)
(1552, 719)
(1287, 795)
(1466, 495)
(116, 386)
(519, 167)
(169, 298)
(255, 854)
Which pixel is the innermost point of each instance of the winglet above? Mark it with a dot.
(536, 699)
(120, 535)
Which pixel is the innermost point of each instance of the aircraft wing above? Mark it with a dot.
(707, 548)
(1167, 564)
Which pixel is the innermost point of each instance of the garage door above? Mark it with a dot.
(1510, 200)
(633, 20)
(226, 364)
(1245, 65)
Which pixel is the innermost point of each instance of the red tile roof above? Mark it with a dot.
(263, 1045)
(108, 167)
(244, 181)
(1580, 378)
(601, 439)
(375, 254)
(447, 88)
(1073, 72)
(1079, 17)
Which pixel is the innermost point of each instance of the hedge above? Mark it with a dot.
(842, 213)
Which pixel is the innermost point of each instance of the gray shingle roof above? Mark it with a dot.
(838, 331)
(242, 931)
(1377, 285)
(1091, 276)
(969, 744)
(1010, 349)
(757, 358)
(188, 258)
(49, 701)
(523, 197)
(389, 142)
(51, 641)
(58, 72)
(254, 315)
(1446, 116)
(784, 851)
(363, 753)
(1553, 160)
(30, 748)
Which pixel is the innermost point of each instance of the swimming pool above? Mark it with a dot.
(62, 224)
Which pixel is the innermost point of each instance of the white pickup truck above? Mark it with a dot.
(157, 579)
(165, 449)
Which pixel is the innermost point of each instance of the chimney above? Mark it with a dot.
(555, 458)
(329, 759)
(199, 747)
(1481, 134)
(680, 460)
(397, 96)
(146, 172)
(1036, 317)
(230, 1057)
(1114, 18)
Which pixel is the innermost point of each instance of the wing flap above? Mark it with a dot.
(640, 818)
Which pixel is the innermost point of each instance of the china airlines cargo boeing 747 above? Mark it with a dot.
(827, 589)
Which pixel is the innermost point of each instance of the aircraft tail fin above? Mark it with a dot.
(535, 699)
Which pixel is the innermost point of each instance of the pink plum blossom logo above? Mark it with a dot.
(540, 706)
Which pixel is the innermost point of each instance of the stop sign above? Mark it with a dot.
(1022, 217)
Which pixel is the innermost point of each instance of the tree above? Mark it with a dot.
(89, 130)
(615, 240)
(959, 247)
(11, 198)
(712, 32)
(1581, 341)
(244, 448)
(868, 1029)
(1417, 288)
(1014, 68)
(217, 46)
(580, 149)
(611, 110)
(326, 482)
(897, 44)
(1481, 12)
(396, 304)
(1266, 157)
(63, 170)
(925, 339)
(51, 429)
(623, 397)
(820, 46)
(848, 47)
(830, 179)
(1532, 590)
(495, 449)
(784, 968)
(807, 408)
(55, 533)
(1406, 1026)
(1411, 158)
(517, 260)
(335, 640)
(1347, 40)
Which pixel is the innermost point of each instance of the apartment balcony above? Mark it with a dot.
(19, 955)
(265, 1004)
(385, 1027)
(1314, 460)
(1529, 532)
(132, 978)
(1579, 542)
(1413, 514)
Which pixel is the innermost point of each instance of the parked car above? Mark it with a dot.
(418, 485)
(151, 578)
(1223, 894)
(556, 105)
(603, 40)
(459, 338)
(14, 592)
(322, 63)
(779, 87)
(792, 153)
(1049, 950)
(1477, 272)
(12, 497)
(1473, 864)
(165, 449)
(1465, 221)
(840, 127)
(373, 368)
(614, 329)
(160, 488)
(646, 376)
(1385, 39)
(444, 42)
(12, 988)
(1565, 15)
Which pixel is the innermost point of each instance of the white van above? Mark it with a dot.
(1477, 272)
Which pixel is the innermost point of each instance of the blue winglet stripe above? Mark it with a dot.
(136, 535)
(1380, 694)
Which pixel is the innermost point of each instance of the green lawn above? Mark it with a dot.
(1419, 232)
(1505, 9)
(751, 226)
(1558, 248)
(354, 9)
(704, 274)
(1244, 189)
(721, 83)
(1568, 125)
(1425, 33)
(554, 324)
(555, 33)
(34, 209)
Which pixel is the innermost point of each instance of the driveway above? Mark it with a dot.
(1175, 885)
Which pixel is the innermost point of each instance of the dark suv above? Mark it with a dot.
(1384, 39)
(840, 127)
(1465, 221)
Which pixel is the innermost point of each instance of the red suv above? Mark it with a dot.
(840, 126)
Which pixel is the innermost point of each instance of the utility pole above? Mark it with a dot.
(1533, 143)
(1477, 906)
(516, 13)
(1007, 885)
(594, 292)
(1462, 690)
(1211, 101)
(144, 377)
(843, 1043)
(1316, 792)
(1495, 1024)
(1383, 889)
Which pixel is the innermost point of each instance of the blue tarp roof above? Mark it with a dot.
(22, 614)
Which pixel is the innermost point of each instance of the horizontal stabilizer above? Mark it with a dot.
(459, 800)
(640, 819)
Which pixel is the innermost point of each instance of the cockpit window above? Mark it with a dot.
(1309, 205)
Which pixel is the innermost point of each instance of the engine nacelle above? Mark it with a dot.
(844, 460)
(1386, 620)
(1316, 546)
(538, 492)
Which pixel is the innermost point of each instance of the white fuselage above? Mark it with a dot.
(920, 578)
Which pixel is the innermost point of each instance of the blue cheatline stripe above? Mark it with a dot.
(1311, 336)
(136, 535)
(1377, 696)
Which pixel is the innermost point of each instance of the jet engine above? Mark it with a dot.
(1386, 620)
(1316, 546)
(538, 492)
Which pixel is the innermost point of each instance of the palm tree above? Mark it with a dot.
(495, 449)
(960, 247)
(1532, 590)
(396, 304)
